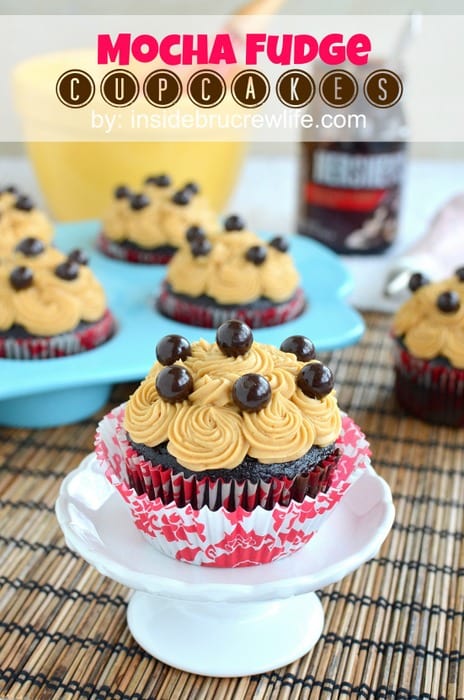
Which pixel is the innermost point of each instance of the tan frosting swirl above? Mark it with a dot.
(51, 305)
(38, 308)
(149, 416)
(426, 331)
(161, 222)
(16, 224)
(209, 431)
(278, 426)
(228, 277)
(201, 436)
(323, 414)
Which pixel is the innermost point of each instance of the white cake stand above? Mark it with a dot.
(221, 622)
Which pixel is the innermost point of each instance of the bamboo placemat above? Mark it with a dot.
(393, 629)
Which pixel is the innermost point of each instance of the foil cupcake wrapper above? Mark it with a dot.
(224, 538)
(62, 345)
(173, 306)
(431, 391)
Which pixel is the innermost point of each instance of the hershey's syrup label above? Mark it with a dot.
(350, 200)
(357, 171)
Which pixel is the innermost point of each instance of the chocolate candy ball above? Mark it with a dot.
(30, 247)
(139, 201)
(172, 348)
(194, 232)
(460, 274)
(24, 203)
(417, 280)
(182, 197)
(448, 302)
(158, 180)
(300, 346)
(78, 256)
(234, 338)
(279, 243)
(21, 278)
(68, 270)
(174, 384)
(122, 192)
(234, 223)
(200, 246)
(256, 254)
(192, 187)
(251, 392)
(315, 380)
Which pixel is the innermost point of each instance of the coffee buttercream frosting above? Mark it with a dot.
(240, 268)
(47, 293)
(19, 219)
(209, 429)
(431, 323)
(156, 216)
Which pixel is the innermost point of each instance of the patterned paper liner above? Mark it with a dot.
(72, 343)
(224, 538)
(429, 390)
(173, 306)
(132, 253)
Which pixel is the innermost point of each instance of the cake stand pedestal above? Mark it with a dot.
(216, 621)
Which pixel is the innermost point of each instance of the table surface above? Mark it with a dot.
(393, 629)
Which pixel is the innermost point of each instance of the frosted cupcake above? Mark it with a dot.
(428, 331)
(148, 226)
(19, 219)
(231, 274)
(231, 453)
(51, 304)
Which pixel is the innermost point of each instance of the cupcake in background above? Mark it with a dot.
(51, 304)
(428, 332)
(231, 453)
(148, 226)
(19, 219)
(231, 274)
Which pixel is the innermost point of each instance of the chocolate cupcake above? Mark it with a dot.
(19, 219)
(428, 331)
(148, 226)
(231, 274)
(231, 432)
(51, 304)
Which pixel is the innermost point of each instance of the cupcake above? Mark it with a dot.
(231, 453)
(51, 304)
(231, 274)
(19, 219)
(148, 226)
(428, 333)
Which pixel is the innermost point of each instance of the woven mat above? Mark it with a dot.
(393, 629)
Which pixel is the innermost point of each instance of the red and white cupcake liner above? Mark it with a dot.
(431, 391)
(41, 348)
(158, 481)
(225, 538)
(132, 254)
(212, 316)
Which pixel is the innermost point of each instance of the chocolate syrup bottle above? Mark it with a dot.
(350, 183)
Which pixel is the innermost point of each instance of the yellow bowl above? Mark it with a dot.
(77, 178)
(77, 175)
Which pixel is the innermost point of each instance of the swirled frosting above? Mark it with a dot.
(50, 305)
(160, 222)
(228, 277)
(16, 224)
(209, 431)
(428, 332)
